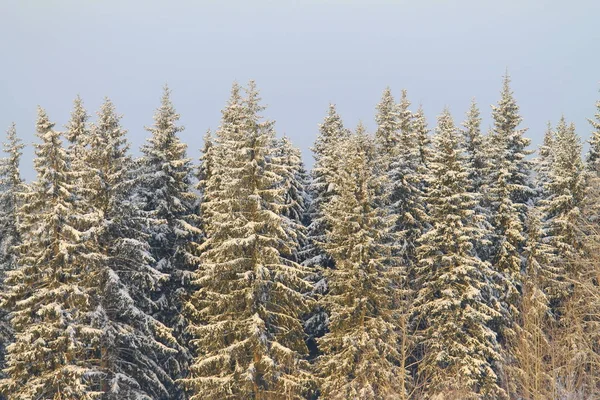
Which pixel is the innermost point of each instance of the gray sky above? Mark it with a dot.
(303, 55)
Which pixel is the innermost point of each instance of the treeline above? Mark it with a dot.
(403, 266)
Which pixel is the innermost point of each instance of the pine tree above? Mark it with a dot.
(135, 346)
(49, 296)
(11, 186)
(245, 315)
(460, 349)
(360, 352)
(165, 194)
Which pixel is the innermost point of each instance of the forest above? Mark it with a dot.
(408, 263)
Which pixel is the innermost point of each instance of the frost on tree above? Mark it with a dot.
(360, 356)
(11, 185)
(49, 294)
(460, 350)
(247, 333)
(135, 347)
(165, 195)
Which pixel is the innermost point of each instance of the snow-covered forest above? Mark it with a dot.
(411, 262)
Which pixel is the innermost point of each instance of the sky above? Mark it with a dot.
(303, 56)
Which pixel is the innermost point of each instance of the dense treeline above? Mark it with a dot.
(405, 265)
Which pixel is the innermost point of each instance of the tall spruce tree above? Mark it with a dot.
(566, 189)
(388, 125)
(135, 346)
(475, 148)
(506, 138)
(423, 139)
(245, 315)
(543, 164)
(322, 187)
(49, 295)
(11, 185)
(451, 306)
(406, 183)
(165, 194)
(360, 352)
(295, 198)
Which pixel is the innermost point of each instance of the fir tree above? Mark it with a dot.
(460, 349)
(49, 295)
(165, 194)
(245, 314)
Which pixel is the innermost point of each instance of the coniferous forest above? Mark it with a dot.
(412, 262)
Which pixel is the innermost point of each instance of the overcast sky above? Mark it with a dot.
(303, 55)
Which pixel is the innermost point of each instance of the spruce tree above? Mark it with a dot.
(247, 333)
(566, 189)
(135, 346)
(322, 187)
(451, 306)
(406, 184)
(475, 148)
(49, 294)
(507, 139)
(423, 139)
(593, 156)
(543, 163)
(360, 352)
(295, 202)
(321, 190)
(11, 186)
(165, 194)
(388, 125)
